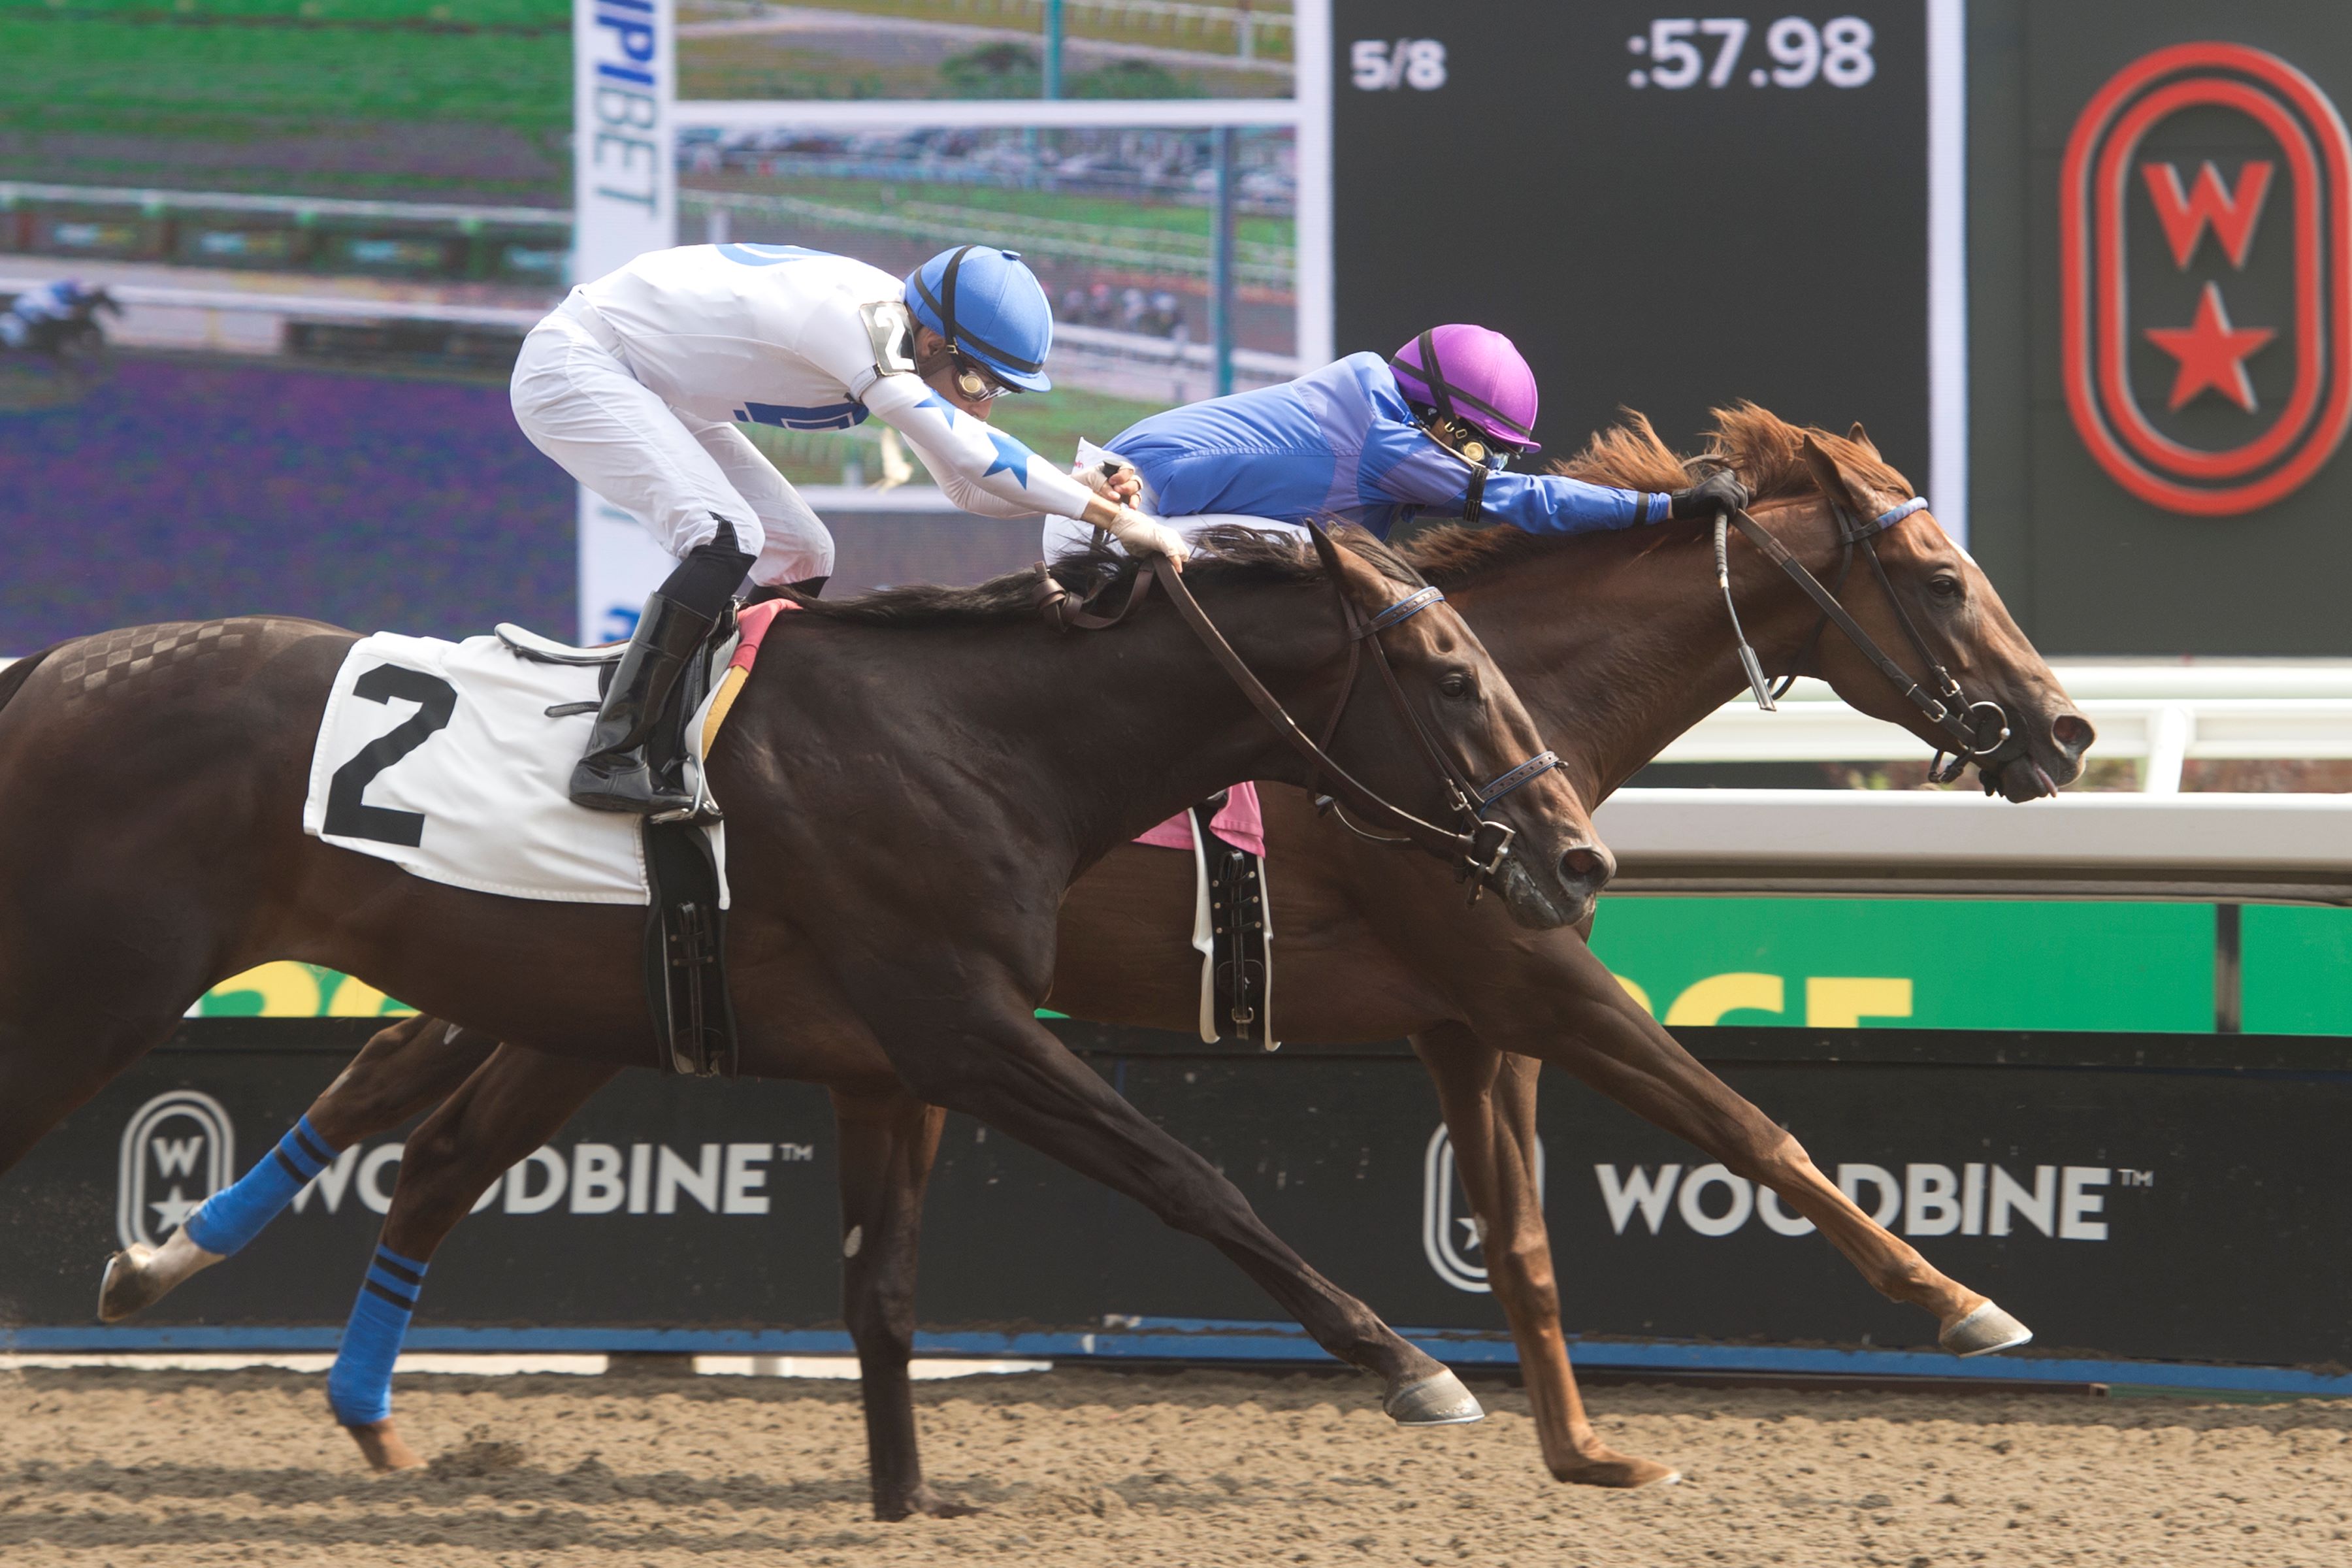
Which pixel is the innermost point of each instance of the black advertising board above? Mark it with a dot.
(2148, 1197)
(2161, 321)
(1664, 212)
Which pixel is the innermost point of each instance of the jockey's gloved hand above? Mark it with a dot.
(1145, 535)
(1121, 484)
(1149, 536)
(1719, 491)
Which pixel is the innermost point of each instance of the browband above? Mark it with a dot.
(1887, 519)
(1411, 604)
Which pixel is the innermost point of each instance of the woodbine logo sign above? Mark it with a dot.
(586, 1179)
(2066, 1203)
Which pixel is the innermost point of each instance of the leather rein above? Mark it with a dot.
(1478, 848)
(1948, 707)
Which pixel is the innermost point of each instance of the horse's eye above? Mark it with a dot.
(1457, 684)
(1945, 585)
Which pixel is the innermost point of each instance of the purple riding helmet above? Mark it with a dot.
(1470, 376)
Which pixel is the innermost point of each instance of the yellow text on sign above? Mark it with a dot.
(1832, 1001)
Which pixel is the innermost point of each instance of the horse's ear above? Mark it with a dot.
(1826, 475)
(1861, 437)
(1365, 582)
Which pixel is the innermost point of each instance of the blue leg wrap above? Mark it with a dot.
(236, 1215)
(359, 1389)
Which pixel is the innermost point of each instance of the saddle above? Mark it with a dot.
(1233, 931)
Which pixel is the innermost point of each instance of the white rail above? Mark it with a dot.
(2254, 847)
(301, 208)
(983, 113)
(2165, 713)
(303, 307)
(1165, 250)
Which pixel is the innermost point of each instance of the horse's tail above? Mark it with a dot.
(13, 678)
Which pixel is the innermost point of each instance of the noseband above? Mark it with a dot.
(1947, 707)
(1478, 849)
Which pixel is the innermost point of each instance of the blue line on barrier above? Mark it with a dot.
(1188, 1339)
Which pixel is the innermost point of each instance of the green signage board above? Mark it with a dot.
(2298, 970)
(1961, 964)
(1838, 963)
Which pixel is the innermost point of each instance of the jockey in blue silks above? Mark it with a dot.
(1373, 442)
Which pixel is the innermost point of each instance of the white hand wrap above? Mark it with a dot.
(1144, 535)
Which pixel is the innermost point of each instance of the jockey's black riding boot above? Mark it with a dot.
(616, 774)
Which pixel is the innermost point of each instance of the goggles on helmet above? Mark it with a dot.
(974, 382)
(1465, 440)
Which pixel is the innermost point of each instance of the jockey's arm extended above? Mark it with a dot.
(1403, 462)
(980, 469)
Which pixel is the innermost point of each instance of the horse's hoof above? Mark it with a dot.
(382, 1446)
(1983, 1332)
(925, 1502)
(1437, 1400)
(1618, 1472)
(128, 1287)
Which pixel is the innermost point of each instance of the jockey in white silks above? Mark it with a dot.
(637, 382)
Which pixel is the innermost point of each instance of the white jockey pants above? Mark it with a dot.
(575, 398)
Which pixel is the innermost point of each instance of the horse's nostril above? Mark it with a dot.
(2073, 733)
(1589, 864)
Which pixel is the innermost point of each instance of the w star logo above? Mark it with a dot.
(2254, 397)
(178, 1149)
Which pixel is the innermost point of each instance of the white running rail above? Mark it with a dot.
(2163, 713)
(2292, 848)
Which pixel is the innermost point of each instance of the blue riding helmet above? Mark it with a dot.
(990, 308)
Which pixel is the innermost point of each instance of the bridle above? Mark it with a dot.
(1947, 707)
(1477, 847)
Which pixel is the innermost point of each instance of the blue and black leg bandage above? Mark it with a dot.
(359, 1389)
(236, 1214)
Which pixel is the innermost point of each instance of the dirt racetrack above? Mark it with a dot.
(1202, 1467)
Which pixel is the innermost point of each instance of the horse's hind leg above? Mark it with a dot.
(401, 1070)
(888, 1143)
(513, 1103)
(1489, 1102)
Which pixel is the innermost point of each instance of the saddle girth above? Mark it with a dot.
(1234, 934)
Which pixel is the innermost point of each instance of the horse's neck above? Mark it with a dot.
(1100, 735)
(1620, 644)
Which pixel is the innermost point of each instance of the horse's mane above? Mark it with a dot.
(1763, 449)
(1223, 554)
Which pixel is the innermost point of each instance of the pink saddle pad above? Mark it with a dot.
(1238, 821)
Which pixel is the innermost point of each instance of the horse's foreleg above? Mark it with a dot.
(1007, 1070)
(888, 1143)
(1489, 1103)
(1595, 1031)
(401, 1070)
(511, 1105)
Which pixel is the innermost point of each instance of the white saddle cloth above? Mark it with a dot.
(441, 758)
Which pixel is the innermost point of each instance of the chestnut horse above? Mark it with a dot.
(913, 780)
(1618, 643)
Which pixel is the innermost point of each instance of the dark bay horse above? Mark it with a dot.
(913, 780)
(1618, 643)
